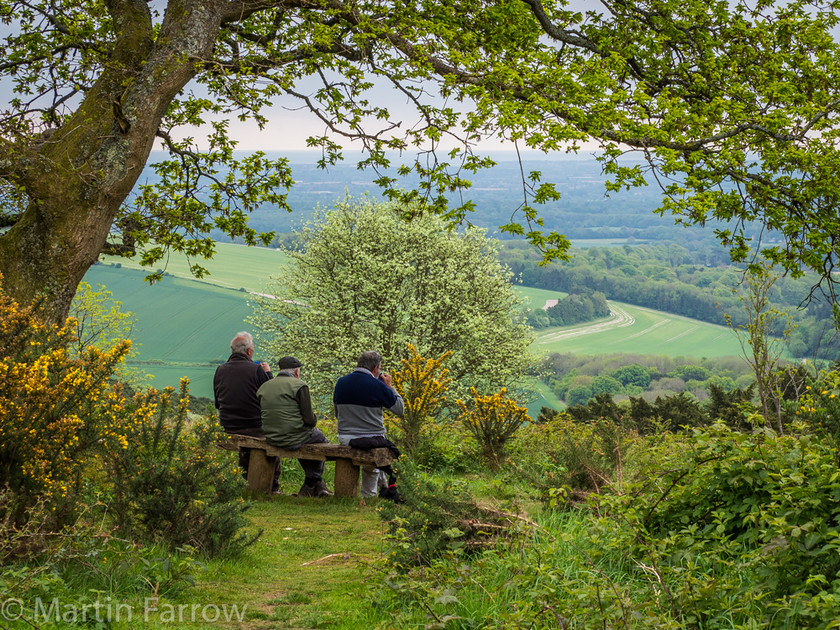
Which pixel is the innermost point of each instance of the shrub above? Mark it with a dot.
(820, 406)
(599, 407)
(729, 406)
(57, 413)
(450, 449)
(672, 413)
(536, 455)
(595, 453)
(171, 485)
(492, 420)
(422, 383)
(750, 518)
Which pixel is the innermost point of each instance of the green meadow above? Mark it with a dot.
(637, 330)
(536, 298)
(184, 325)
(232, 267)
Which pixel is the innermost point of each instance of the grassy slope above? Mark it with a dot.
(233, 266)
(537, 298)
(183, 327)
(637, 330)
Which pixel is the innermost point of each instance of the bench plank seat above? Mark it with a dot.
(347, 461)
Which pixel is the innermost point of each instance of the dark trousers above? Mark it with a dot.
(245, 455)
(313, 469)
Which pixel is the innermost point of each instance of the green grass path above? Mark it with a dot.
(310, 569)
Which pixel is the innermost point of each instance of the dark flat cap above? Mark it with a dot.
(288, 363)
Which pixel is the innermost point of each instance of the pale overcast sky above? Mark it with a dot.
(289, 126)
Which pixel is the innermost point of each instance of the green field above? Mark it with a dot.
(637, 330)
(537, 298)
(184, 325)
(233, 266)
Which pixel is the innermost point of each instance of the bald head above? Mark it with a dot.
(242, 343)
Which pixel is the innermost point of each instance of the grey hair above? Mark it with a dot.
(242, 342)
(369, 360)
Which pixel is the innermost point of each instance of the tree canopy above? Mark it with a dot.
(733, 106)
(366, 279)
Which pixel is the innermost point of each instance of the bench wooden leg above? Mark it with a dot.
(260, 471)
(346, 478)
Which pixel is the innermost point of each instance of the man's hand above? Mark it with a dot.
(265, 366)
(386, 378)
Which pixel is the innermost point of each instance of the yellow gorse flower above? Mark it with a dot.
(423, 384)
(56, 412)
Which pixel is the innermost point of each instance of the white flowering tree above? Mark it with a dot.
(364, 278)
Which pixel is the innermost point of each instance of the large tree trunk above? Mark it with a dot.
(77, 179)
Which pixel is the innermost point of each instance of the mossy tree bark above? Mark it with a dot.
(77, 178)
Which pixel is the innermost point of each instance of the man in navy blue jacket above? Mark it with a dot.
(360, 399)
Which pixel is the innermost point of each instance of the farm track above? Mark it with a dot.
(619, 318)
(648, 329)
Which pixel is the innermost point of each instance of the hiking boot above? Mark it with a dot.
(321, 489)
(306, 491)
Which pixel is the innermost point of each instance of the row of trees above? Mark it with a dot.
(571, 309)
(576, 380)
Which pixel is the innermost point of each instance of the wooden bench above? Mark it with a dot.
(347, 461)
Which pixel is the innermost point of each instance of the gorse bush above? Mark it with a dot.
(820, 406)
(423, 384)
(57, 413)
(492, 420)
(173, 486)
(68, 430)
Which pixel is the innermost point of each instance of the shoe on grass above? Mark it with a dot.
(321, 489)
(306, 491)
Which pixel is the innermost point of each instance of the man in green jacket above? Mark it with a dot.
(288, 421)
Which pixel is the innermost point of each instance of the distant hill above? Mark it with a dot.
(584, 211)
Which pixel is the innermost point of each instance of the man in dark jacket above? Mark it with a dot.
(235, 386)
(289, 422)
